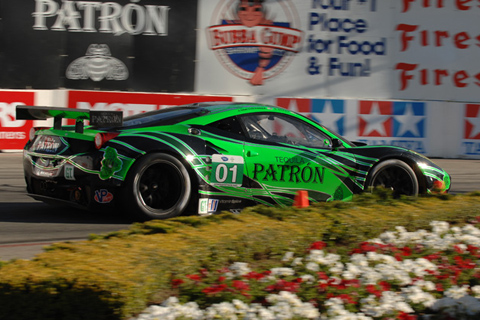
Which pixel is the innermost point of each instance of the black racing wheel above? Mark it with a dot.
(158, 186)
(395, 175)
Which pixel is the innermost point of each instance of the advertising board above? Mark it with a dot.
(146, 45)
(358, 49)
(14, 133)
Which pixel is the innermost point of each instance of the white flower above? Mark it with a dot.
(282, 271)
(312, 266)
(240, 268)
(287, 257)
(476, 291)
(456, 292)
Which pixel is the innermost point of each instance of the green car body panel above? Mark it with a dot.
(230, 167)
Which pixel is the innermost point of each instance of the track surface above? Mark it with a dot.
(26, 225)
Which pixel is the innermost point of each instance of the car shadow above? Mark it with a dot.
(38, 212)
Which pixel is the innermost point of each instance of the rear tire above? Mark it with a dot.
(395, 175)
(158, 186)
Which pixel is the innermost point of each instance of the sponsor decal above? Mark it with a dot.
(472, 122)
(400, 124)
(328, 112)
(103, 196)
(110, 17)
(255, 39)
(69, 172)
(47, 144)
(288, 173)
(227, 170)
(110, 163)
(97, 64)
(471, 136)
(392, 119)
(207, 206)
(14, 133)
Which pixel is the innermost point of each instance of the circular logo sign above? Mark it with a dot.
(255, 39)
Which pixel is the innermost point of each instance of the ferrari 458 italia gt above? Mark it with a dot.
(207, 157)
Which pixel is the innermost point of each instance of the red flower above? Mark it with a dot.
(405, 316)
(406, 251)
(384, 285)
(254, 275)
(240, 285)
(216, 288)
(373, 290)
(347, 298)
(317, 245)
(457, 249)
(194, 277)
(177, 282)
(322, 275)
(283, 285)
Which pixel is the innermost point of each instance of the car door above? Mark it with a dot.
(284, 154)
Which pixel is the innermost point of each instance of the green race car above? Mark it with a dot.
(206, 158)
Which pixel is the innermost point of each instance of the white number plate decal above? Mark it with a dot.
(227, 170)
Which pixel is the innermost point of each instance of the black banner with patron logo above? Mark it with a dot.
(137, 45)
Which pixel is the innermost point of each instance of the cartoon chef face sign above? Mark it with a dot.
(248, 43)
(250, 13)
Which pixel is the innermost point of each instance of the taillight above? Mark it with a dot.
(104, 137)
(33, 130)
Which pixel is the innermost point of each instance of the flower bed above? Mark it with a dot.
(398, 275)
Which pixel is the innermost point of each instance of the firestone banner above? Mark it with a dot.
(365, 49)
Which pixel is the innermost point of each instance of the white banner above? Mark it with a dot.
(388, 49)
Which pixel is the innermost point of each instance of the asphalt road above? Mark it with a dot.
(27, 226)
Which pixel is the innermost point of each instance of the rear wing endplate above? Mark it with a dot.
(97, 118)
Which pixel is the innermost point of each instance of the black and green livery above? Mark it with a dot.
(208, 157)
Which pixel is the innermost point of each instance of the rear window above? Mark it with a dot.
(167, 116)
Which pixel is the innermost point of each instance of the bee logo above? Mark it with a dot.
(97, 64)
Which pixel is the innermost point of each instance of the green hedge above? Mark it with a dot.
(115, 276)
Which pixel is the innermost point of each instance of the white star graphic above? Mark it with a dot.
(375, 121)
(328, 117)
(475, 122)
(292, 105)
(408, 122)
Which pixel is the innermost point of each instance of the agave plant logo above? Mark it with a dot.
(110, 163)
(255, 39)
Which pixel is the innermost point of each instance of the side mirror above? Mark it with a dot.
(336, 143)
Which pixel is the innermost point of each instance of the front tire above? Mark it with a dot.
(158, 186)
(395, 175)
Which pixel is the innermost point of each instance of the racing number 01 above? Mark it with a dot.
(227, 170)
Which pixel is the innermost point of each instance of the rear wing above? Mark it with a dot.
(97, 118)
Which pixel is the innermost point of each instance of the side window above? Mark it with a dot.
(230, 125)
(284, 129)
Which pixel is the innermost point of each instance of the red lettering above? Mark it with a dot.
(439, 74)
(424, 35)
(461, 4)
(438, 37)
(477, 76)
(404, 77)
(424, 76)
(459, 40)
(425, 4)
(404, 28)
(459, 77)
